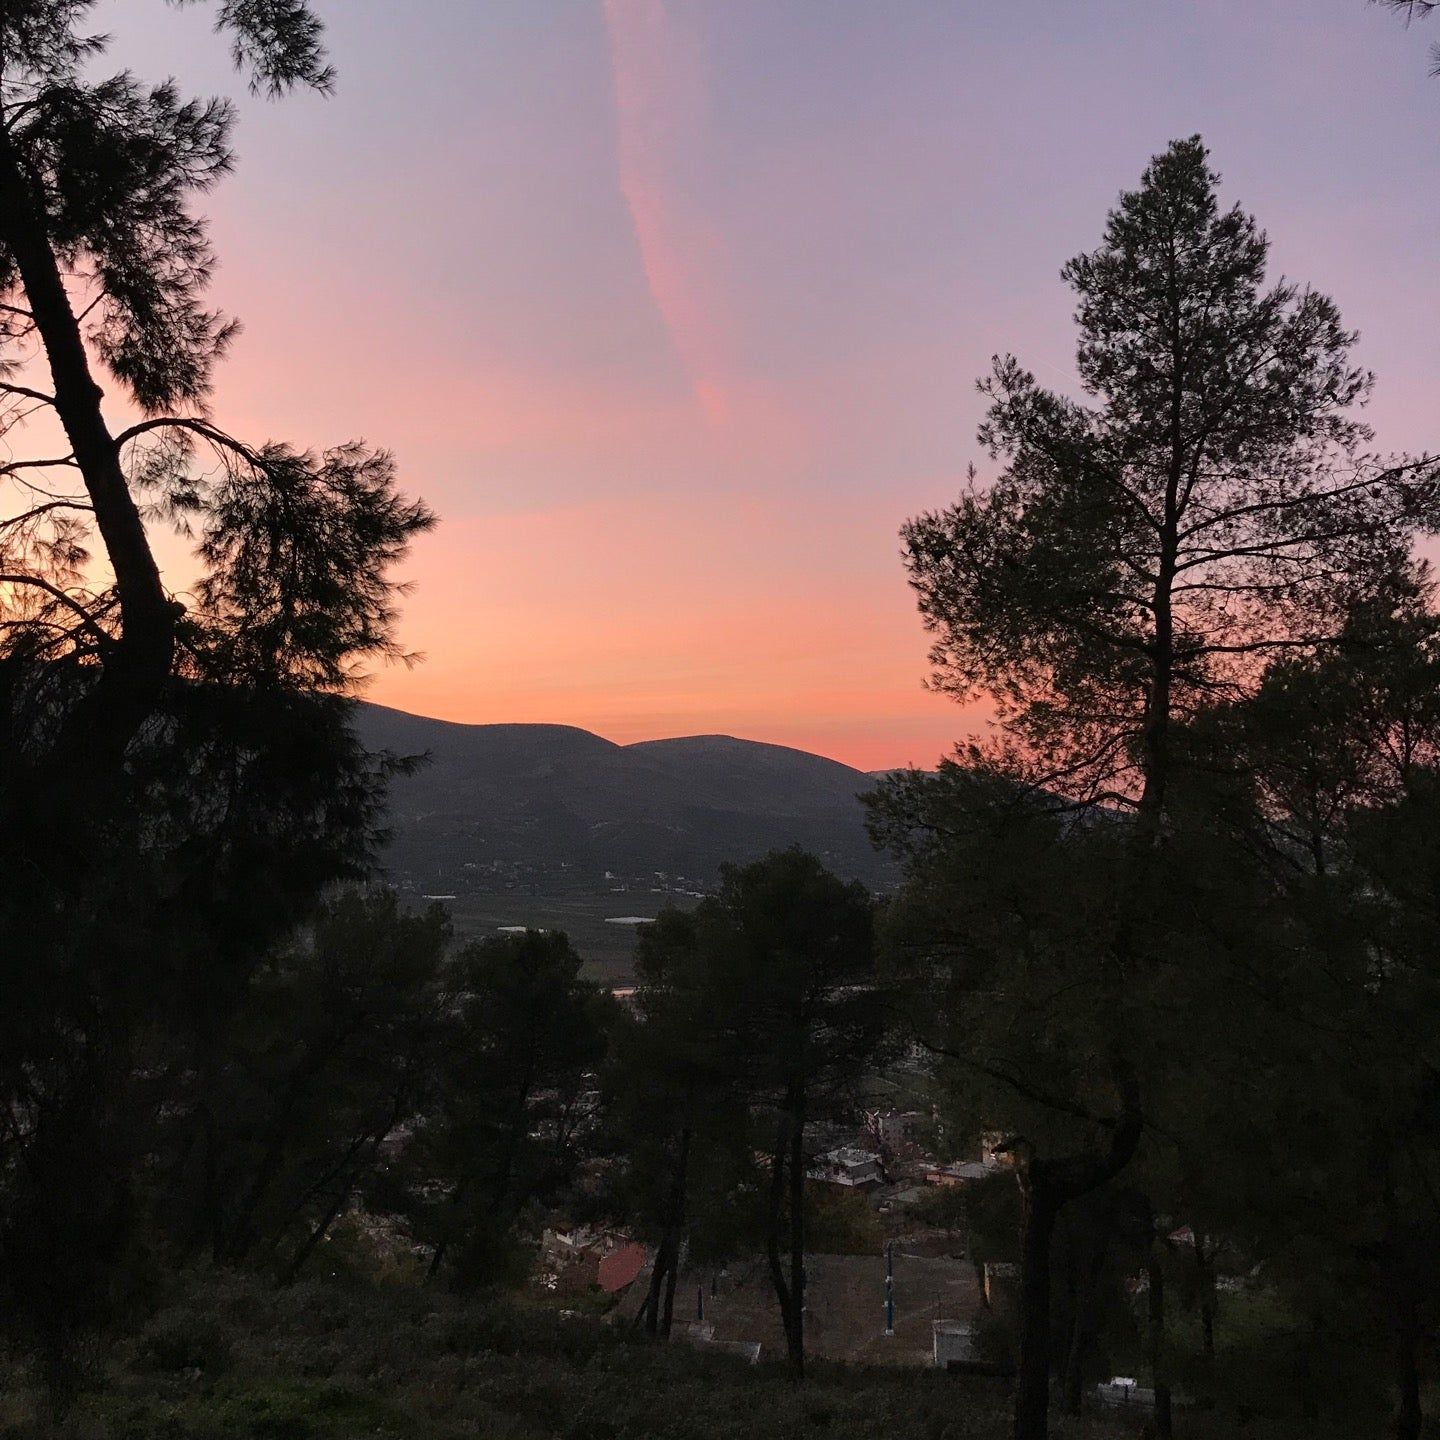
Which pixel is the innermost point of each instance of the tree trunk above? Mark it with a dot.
(649, 1312)
(667, 1253)
(236, 1240)
(1069, 1313)
(1207, 1300)
(787, 1294)
(668, 1319)
(1046, 1186)
(137, 669)
(1159, 1367)
(518, 1129)
(1072, 1373)
(1083, 1319)
(1037, 1228)
(500, 1181)
(319, 1231)
(1409, 1417)
(795, 1337)
(659, 1308)
(1400, 1286)
(675, 1222)
(1206, 1280)
(442, 1245)
(772, 1223)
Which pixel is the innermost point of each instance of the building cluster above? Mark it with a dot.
(891, 1155)
(584, 1258)
(883, 1160)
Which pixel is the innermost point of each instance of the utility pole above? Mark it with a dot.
(889, 1287)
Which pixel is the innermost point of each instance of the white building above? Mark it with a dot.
(849, 1167)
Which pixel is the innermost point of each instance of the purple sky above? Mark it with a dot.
(673, 308)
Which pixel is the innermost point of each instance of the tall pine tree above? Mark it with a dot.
(1204, 504)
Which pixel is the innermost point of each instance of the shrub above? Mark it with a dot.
(841, 1224)
(180, 1340)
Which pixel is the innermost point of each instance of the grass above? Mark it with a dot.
(227, 1357)
(230, 1359)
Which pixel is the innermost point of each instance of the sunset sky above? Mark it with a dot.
(672, 309)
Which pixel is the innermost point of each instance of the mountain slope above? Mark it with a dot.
(548, 796)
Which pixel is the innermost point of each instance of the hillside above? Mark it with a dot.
(553, 799)
(231, 1359)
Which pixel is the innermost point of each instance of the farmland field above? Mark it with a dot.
(584, 915)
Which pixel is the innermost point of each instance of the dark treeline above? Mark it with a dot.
(755, 1016)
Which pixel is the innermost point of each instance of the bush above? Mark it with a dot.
(946, 1207)
(177, 1341)
(841, 1224)
(324, 1361)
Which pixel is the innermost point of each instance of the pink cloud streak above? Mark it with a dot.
(660, 104)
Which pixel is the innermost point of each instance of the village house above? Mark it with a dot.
(584, 1258)
(960, 1173)
(848, 1167)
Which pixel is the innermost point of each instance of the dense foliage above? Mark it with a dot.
(178, 779)
(1154, 928)
(755, 1015)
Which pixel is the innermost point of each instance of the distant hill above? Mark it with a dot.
(552, 795)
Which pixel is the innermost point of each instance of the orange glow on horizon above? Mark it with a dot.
(672, 310)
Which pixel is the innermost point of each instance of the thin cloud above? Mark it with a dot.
(660, 104)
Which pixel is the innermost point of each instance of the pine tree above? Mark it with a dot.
(1145, 549)
(178, 779)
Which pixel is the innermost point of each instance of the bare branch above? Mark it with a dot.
(61, 598)
(7, 387)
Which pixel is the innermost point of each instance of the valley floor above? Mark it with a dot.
(589, 916)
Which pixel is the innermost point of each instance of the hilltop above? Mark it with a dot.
(554, 799)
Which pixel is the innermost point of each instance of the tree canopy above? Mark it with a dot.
(178, 779)
(1207, 503)
(1151, 549)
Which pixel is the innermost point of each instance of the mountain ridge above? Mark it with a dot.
(548, 796)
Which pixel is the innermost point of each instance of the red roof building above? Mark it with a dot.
(620, 1267)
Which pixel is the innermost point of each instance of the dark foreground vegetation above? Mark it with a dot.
(236, 1361)
(223, 1357)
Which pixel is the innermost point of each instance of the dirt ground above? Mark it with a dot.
(845, 1313)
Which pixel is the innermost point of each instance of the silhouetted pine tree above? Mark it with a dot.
(177, 779)
(1146, 548)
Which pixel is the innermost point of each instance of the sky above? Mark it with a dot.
(673, 309)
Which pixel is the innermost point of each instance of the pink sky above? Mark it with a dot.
(672, 308)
